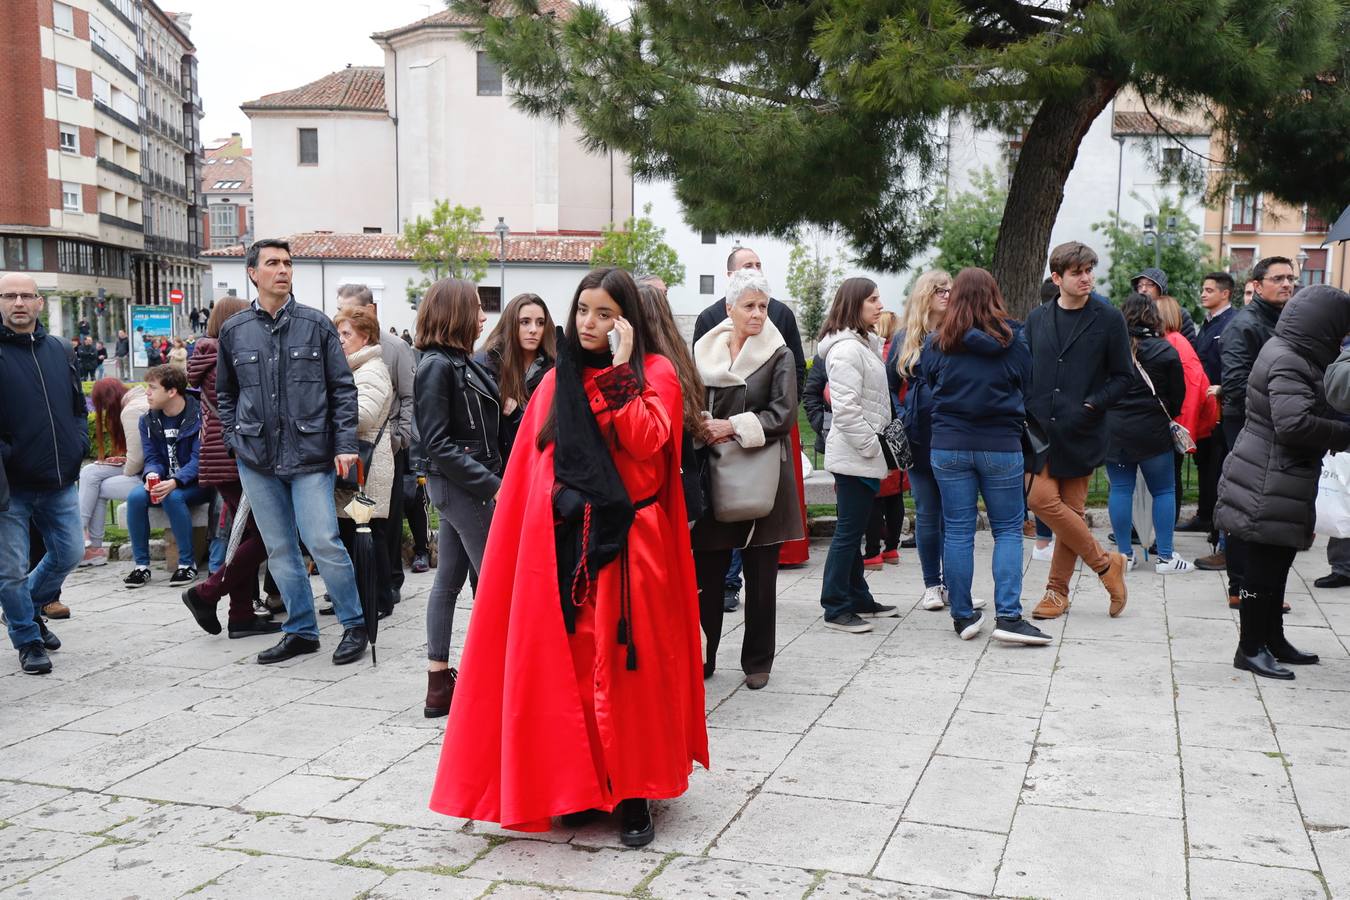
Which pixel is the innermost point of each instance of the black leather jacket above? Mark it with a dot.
(458, 413)
(286, 396)
(1246, 334)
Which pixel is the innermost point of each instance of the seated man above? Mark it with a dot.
(171, 440)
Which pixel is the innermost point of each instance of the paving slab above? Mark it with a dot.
(699, 878)
(562, 865)
(143, 871)
(271, 877)
(843, 836)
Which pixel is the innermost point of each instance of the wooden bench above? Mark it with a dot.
(201, 520)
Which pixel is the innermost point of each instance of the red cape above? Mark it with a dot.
(543, 722)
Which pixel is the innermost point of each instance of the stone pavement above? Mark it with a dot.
(1129, 759)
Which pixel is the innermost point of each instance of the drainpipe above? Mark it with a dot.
(398, 206)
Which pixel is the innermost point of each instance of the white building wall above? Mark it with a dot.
(351, 188)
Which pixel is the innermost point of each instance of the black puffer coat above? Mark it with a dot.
(1269, 485)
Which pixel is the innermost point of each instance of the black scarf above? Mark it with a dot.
(591, 506)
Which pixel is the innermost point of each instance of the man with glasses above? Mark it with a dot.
(1274, 281)
(44, 436)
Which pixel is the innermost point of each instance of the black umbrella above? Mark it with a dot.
(363, 558)
(1341, 230)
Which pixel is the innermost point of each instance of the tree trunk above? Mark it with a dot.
(1037, 190)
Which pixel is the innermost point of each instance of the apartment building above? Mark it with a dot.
(227, 194)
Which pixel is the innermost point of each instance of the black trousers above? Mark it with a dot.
(415, 509)
(394, 531)
(1235, 549)
(883, 529)
(761, 599)
(1261, 618)
(1210, 453)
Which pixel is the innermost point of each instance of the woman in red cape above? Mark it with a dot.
(577, 705)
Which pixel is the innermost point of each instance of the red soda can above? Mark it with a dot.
(152, 479)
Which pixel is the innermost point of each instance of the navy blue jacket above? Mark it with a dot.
(187, 449)
(979, 392)
(44, 423)
(916, 410)
(1209, 344)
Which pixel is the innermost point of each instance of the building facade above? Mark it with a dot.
(170, 161)
(227, 194)
(1252, 225)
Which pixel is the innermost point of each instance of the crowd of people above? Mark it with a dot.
(603, 484)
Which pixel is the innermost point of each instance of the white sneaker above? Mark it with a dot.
(933, 598)
(1131, 563)
(1043, 554)
(978, 603)
(1173, 566)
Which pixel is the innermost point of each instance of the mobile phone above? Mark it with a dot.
(614, 340)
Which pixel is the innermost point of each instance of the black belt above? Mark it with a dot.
(643, 504)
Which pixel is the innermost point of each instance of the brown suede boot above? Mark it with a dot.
(440, 689)
(1113, 579)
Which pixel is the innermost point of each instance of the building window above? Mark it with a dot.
(224, 223)
(1171, 156)
(705, 284)
(65, 79)
(371, 229)
(1314, 267)
(1240, 262)
(22, 254)
(309, 146)
(70, 137)
(489, 77)
(1313, 222)
(70, 196)
(1244, 209)
(227, 185)
(709, 236)
(491, 298)
(63, 18)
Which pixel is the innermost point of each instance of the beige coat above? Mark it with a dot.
(178, 359)
(135, 404)
(375, 401)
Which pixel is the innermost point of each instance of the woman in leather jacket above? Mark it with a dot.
(458, 411)
(517, 354)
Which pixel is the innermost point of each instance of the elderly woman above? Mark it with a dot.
(359, 331)
(751, 389)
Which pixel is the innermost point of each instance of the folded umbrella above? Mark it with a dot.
(363, 558)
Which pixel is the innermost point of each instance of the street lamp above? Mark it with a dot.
(1302, 260)
(502, 231)
(1155, 240)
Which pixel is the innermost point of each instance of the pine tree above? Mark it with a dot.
(769, 116)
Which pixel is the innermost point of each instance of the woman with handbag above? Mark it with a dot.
(458, 411)
(359, 330)
(581, 690)
(1200, 409)
(1140, 436)
(860, 411)
(751, 383)
(881, 544)
(216, 468)
(977, 368)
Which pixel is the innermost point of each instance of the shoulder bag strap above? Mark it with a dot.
(1152, 390)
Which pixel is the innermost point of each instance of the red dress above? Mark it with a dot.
(545, 722)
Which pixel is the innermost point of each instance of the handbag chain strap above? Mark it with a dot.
(1152, 390)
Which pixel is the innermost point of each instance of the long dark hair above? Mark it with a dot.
(623, 290)
(448, 316)
(975, 303)
(505, 342)
(846, 310)
(668, 342)
(1141, 318)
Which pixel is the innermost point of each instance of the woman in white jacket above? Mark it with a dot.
(861, 409)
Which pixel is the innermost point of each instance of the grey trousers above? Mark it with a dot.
(461, 538)
(1338, 554)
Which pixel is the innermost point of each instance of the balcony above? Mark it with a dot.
(112, 8)
(118, 222)
(113, 61)
(118, 170)
(170, 247)
(101, 107)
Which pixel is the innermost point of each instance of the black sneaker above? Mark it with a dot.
(1019, 631)
(850, 622)
(183, 575)
(421, 563)
(49, 639)
(731, 599)
(881, 611)
(968, 627)
(34, 659)
(139, 577)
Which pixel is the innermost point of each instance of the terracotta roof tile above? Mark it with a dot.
(227, 164)
(572, 249)
(1143, 123)
(358, 88)
(449, 18)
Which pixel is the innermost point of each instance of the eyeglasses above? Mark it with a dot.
(944, 291)
(27, 298)
(1281, 279)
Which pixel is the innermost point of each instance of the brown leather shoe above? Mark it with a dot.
(1052, 606)
(1215, 562)
(1113, 579)
(1234, 601)
(56, 610)
(440, 690)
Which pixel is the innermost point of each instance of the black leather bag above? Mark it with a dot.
(1035, 447)
(365, 451)
(895, 445)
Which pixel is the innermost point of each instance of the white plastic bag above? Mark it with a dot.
(1333, 496)
(807, 468)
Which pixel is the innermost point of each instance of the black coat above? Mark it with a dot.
(1243, 339)
(813, 399)
(782, 317)
(1268, 490)
(1209, 344)
(1090, 366)
(1136, 424)
(458, 413)
(491, 361)
(44, 424)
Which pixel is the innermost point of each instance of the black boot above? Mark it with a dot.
(1280, 648)
(635, 823)
(352, 647)
(1252, 654)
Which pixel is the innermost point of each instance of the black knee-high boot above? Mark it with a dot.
(1252, 654)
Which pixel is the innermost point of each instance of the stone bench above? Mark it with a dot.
(201, 521)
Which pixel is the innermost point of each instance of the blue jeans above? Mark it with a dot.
(965, 476)
(927, 523)
(1161, 480)
(845, 590)
(22, 593)
(733, 580)
(280, 506)
(176, 506)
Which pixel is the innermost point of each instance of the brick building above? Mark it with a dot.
(227, 194)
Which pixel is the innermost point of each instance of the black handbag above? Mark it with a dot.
(365, 451)
(895, 445)
(1035, 446)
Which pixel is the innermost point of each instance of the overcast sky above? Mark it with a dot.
(247, 48)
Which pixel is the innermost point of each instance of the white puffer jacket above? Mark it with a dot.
(859, 402)
(375, 401)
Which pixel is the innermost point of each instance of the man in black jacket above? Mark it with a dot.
(1216, 294)
(781, 315)
(1081, 366)
(1246, 334)
(287, 404)
(43, 438)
